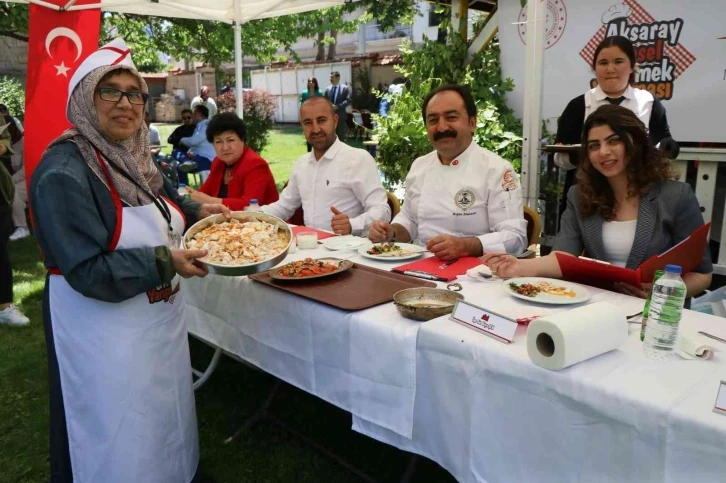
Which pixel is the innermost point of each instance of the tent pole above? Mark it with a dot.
(532, 119)
(238, 56)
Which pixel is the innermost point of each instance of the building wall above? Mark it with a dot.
(192, 82)
(13, 58)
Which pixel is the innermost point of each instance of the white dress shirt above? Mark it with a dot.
(477, 195)
(154, 137)
(211, 105)
(344, 177)
(639, 101)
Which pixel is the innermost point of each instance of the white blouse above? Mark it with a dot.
(617, 239)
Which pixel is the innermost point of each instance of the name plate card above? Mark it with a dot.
(484, 321)
(720, 406)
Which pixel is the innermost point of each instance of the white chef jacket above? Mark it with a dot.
(478, 194)
(639, 101)
(344, 177)
(211, 105)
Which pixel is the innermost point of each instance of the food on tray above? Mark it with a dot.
(307, 268)
(532, 290)
(389, 249)
(236, 242)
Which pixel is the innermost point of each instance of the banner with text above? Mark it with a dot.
(680, 50)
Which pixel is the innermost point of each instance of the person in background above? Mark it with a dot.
(109, 226)
(312, 89)
(614, 65)
(201, 152)
(179, 152)
(339, 94)
(203, 99)
(238, 174)
(9, 313)
(624, 208)
(154, 137)
(4, 111)
(17, 170)
(461, 200)
(338, 186)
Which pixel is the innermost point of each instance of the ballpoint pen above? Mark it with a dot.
(450, 262)
(712, 337)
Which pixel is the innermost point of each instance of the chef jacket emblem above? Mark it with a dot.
(464, 199)
(509, 181)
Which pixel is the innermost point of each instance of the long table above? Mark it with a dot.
(479, 407)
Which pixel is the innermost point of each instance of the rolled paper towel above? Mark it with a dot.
(690, 349)
(560, 340)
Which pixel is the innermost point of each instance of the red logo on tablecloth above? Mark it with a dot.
(660, 56)
(554, 24)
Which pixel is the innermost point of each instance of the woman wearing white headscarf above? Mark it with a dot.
(109, 224)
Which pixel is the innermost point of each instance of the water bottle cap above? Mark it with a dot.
(254, 201)
(674, 269)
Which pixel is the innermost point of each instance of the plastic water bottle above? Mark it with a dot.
(253, 206)
(646, 309)
(664, 316)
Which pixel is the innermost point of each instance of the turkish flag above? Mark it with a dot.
(57, 44)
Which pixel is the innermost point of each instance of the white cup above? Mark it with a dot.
(307, 240)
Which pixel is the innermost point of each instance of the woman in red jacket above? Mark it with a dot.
(238, 174)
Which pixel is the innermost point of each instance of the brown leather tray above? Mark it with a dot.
(358, 288)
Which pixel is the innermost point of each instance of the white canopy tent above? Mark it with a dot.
(235, 12)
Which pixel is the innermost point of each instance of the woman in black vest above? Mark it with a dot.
(614, 66)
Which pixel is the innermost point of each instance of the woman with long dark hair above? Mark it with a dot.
(614, 66)
(624, 209)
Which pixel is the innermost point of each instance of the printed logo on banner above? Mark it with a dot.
(554, 24)
(660, 56)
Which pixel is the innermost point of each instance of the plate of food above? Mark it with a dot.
(310, 268)
(391, 251)
(249, 243)
(546, 290)
(346, 242)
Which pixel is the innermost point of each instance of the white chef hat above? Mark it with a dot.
(115, 52)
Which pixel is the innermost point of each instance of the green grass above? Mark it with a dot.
(286, 145)
(265, 453)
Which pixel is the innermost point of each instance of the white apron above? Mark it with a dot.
(125, 370)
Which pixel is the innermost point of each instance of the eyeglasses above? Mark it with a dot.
(114, 95)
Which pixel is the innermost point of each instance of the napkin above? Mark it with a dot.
(690, 349)
(477, 274)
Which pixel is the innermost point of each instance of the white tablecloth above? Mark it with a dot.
(475, 405)
(487, 414)
(363, 362)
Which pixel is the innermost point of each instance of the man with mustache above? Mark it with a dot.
(461, 200)
(337, 185)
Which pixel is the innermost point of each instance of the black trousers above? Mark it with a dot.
(6, 274)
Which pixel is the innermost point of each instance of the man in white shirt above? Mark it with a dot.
(154, 137)
(338, 186)
(203, 99)
(461, 200)
(201, 150)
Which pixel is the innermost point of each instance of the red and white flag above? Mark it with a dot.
(58, 43)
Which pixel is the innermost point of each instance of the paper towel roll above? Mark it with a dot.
(566, 338)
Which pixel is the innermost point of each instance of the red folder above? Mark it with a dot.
(688, 254)
(432, 265)
(322, 235)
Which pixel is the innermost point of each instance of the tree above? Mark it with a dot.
(213, 42)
